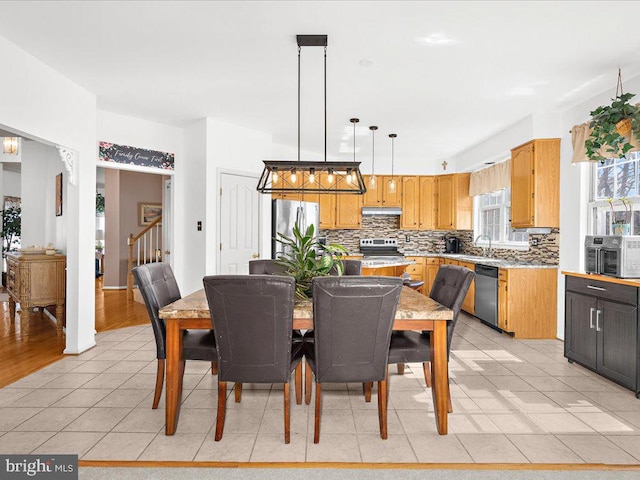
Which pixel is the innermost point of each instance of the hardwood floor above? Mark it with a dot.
(27, 347)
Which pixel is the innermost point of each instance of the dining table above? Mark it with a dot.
(415, 312)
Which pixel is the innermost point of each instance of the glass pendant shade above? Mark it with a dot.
(392, 182)
(373, 182)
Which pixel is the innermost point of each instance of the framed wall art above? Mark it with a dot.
(148, 213)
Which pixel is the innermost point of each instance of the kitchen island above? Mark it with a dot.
(385, 266)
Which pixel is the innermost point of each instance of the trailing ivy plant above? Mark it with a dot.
(604, 125)
(305, 257)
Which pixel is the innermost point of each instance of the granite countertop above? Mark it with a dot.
(382, 262)
(496, 262)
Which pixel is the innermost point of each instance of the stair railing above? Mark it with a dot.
(145, 247)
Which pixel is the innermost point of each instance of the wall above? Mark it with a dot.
(40, 225)
(46, 106)
(10, 184)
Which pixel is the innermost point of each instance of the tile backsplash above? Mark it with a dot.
(432, 241)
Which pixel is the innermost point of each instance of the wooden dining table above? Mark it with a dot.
(415, 312)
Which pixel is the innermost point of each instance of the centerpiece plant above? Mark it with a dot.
(305, 257)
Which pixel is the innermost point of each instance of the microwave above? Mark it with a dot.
(613, 255)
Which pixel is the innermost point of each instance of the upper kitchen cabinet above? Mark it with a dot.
(418, 203)
(535, 184)
(382, 196)
(348, 210)
(454, 205)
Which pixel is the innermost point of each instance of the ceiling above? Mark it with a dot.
(442, 75)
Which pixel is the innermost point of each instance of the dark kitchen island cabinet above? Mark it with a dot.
(601, 327)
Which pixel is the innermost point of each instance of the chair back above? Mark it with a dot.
(252, 317)
(158, 288)
(351, 267)
(265, 267)
(353, 317)
(449, 288)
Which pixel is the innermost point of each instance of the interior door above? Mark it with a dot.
(239, 223)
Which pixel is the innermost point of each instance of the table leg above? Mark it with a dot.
(59, 317)
(173, 372)
(440, 375)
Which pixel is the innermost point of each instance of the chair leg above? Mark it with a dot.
(382, 407)
(426, 367)
(287, 414)
(307, 383)
(316, 428)
(159, 383)
(222, 407)
(214, 368)
(400, 368)
(298, 379)
(237, 388)
(449, 406)
(367, 391)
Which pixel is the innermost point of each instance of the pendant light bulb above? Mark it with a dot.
(349, 178)
(312, 175)
(392, 182)
(330, 176)
(294, 176)
(373, 182)
(274, 175)
(392, 186)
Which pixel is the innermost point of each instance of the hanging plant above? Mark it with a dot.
(612, 127)
(99, 203)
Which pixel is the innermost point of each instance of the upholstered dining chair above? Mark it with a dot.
(449, 289)
(252, 318)
(158, 288)
(265, 266)
(353, 317)
(351, 267)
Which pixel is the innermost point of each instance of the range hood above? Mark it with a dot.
(393, 211)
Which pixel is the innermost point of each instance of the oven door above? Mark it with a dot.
(592, 260)
(611, 261)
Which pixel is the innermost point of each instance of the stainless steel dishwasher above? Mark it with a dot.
(487, 294)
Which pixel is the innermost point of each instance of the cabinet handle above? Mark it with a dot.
(598, 320)
(593, 287)
(591, 317)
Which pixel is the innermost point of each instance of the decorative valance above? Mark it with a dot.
(490, 179)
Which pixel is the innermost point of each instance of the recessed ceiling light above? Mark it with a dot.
(437, 39)
(366, 62)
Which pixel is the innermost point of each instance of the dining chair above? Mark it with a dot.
(352, 317)
(449, 289)
(265, 266)
(351, 267)
(159, 288)
(252, 318)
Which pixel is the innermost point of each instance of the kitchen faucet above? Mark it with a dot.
(475, 242)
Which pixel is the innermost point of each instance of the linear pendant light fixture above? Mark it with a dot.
(281, 176)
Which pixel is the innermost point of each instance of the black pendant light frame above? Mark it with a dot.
(307, 169)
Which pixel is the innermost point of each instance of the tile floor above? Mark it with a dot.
(514, 401)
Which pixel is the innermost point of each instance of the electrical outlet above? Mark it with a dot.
(407, 238)
(535, 242)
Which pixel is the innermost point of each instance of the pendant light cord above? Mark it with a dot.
(299, 103)
(325, 103)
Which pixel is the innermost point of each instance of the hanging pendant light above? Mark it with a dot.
(10, 145)
(392, 182)
(373, 182)
(349, 170)
(274, 176)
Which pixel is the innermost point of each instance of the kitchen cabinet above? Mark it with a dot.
(527, 302)
(327, 202)
(432, 264)
(535, 184)
(348, 210)
(417, 271)
(601, 328)
(418, 203)
(36, 281)
(382, 196)
(469, 303)
(454, 205)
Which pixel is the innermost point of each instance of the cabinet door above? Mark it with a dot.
(522, 186)
(431, 272)
(427, 210)
(348, 210)
(503, 303)
(580, 329)
(444, 188)
(373, 197)
(617, 327)
(389, 198)
(410, 203)
(327, 203)
(469, 303)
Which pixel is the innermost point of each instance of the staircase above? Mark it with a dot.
(145, 247)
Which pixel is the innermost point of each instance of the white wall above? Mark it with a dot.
(47, 106)
(10, 184)
(40, 226)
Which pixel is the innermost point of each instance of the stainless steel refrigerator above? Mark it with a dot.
(285, 214)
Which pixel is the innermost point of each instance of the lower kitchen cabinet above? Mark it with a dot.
(601, 329)
(417, 270)
(432, 264)
(469, 304)
(527, 302)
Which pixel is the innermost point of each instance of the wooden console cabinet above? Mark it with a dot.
(36, 281)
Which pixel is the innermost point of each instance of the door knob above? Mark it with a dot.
(255, 255)
(167, 252)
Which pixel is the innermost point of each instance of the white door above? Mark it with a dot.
(239, 223)
(167, 222)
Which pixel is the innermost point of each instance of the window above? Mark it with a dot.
(615, 205)
(492, 218)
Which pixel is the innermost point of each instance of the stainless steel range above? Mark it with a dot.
(383, 248)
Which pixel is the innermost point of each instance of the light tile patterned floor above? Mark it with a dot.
(514, 401)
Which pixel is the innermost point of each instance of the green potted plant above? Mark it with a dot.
(305, 257)
(11, 230)
(612, 127)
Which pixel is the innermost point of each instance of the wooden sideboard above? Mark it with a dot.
(36, 281)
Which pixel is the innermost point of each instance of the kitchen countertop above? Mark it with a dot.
(381, 263)
(494, 262)
(634, 282)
